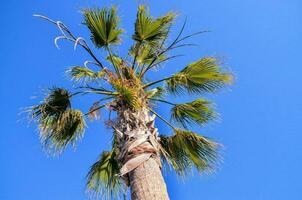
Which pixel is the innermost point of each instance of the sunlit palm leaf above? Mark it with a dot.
(186, 149)
(174, 155)
(66, 130)
(146, 53)
(59, 125)
(156, 92)
(127, 90)
(85, 74)
(55, 103)
(151, 30)
(129, 96)
(202, 76)
(103, 25)
(129, 74)
(116, 59)
(198, 112)
(103, 180)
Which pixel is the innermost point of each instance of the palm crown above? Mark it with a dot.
(127, 86)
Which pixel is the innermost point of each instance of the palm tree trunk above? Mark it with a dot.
(139, 152)
(147, 183)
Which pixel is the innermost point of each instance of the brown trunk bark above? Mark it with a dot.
(147, 183)
(137, 140)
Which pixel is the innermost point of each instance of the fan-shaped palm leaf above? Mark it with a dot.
(198, 111)
(59, 125)
(203, 75)
(186, 149)
(103, 25)
(85, 74)
(103, 180)
(66, 130)
(55, 103)
(151, 30)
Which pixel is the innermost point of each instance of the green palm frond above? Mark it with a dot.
(198, 112)
(203, 75)
(59, 125)
(130, 76)
(127, 89)
(146, 53)
(186, 149)
(103, 180)
(116, 60)
(103, 25)
(129, 96)
(156, 92)
(68, 129)
(56, 102)
(85, 74)
(151, 30)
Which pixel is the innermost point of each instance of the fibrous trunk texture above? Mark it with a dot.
(139, 154)
(147, 183)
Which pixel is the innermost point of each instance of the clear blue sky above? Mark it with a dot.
(259, 40)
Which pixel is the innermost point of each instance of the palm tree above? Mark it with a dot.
(121, 85)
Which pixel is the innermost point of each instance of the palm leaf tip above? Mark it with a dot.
(103, 25)
(197, 112)
(102, 179)
(186, 149)
(204, 75)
